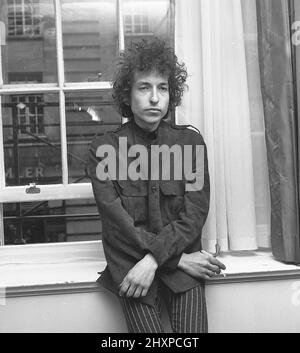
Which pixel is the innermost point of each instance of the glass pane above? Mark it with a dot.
(148, 18)
(88, 114)
(31, 135)
(90, 39)
(27, 36)
(51, 221)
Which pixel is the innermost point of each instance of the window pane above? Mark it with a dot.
(90, 39)
(28, 31)
(51, 221)
(88, 114)
(31, 135)
(148, 18)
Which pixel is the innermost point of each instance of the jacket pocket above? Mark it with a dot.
(172, 199)
(134, 198)
(172, 188)
(133, 188)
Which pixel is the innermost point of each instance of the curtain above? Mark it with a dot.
(282, 137)
(211, 41)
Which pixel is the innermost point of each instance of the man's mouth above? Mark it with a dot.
(155, 110)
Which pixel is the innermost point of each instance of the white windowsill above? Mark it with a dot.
(245, 266)
(51, 263)
(59, 267)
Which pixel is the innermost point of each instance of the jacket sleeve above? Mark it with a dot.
(177, 236)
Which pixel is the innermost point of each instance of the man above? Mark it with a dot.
(152, 211)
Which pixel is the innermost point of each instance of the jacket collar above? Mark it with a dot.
(143, 134)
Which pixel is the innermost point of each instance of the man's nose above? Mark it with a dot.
(154, 96)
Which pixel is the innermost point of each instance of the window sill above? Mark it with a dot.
(258, 265)
(41, 269)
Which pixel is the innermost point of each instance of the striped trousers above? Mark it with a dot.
(187, 312)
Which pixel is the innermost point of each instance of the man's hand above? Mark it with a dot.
(200, 264)
(139, 279)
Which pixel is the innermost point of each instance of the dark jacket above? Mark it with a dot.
(156, 216)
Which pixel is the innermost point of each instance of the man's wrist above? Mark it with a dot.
(151, 260)
(180, 265)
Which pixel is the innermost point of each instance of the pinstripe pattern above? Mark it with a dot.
(141, 318)
(187, 312)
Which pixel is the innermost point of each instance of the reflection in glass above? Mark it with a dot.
(28, 44)
(147, 18)
(90, 39)
(51, 221)
(31, 136)
(88, 114)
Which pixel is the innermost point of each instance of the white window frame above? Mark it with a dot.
(64, 190)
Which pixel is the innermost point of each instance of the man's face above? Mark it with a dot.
(149, 99)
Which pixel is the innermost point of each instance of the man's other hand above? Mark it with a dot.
(139, 279)
(200, 264)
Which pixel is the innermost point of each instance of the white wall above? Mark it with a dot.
(72, 312)
(265, 306)
(262, 306)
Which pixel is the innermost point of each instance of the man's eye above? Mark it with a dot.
(164, 89)
(143, 88)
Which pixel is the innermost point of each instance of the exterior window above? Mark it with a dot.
(55, 98)
(136, 24)
(31, 139)
(51, 221)
(143, 19)
(23, 18)
(28, 111)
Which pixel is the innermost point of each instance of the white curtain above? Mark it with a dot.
(212, 38)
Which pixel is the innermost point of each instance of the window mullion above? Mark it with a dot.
(120, 25)
(2, 171)
(61, 81)
(1, 225)
(120, 20)
(28, 88)
(63, 134)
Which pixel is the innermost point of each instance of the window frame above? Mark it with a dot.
(9, 194)
(65, 190)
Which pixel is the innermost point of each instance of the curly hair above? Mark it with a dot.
(148, 56)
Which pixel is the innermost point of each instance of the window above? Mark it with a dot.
(55, 97)
(23, 18)
(136, 24)
(28, 110)
(28, 113)
(141, 20)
